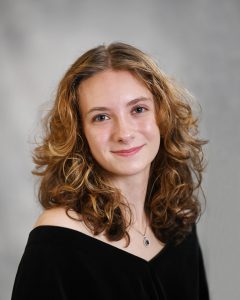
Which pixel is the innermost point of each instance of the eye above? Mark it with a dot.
(139, 109)
(100, 118)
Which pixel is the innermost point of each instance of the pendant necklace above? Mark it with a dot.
(146, 241)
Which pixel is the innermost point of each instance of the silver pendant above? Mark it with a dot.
(146, 241)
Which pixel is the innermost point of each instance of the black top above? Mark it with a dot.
(65, 264)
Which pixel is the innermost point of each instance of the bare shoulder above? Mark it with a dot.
(58, 217)
(53, 216)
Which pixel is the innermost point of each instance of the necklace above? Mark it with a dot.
(146, 241)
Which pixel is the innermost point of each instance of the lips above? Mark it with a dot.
(128, 152)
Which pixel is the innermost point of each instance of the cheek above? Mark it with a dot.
(96, 140)
(151, 131)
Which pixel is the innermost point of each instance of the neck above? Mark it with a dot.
(133, 189)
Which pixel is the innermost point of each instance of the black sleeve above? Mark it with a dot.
(35, 278)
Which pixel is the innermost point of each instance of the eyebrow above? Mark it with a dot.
(130, 103)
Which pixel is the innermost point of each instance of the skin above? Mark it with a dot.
(118, 115)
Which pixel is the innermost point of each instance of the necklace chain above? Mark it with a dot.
(143, 234)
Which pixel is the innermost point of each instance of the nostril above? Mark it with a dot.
(125, 138)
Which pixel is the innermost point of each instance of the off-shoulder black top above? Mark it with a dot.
(63, 264)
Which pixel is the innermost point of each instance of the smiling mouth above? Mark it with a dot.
(128, 152)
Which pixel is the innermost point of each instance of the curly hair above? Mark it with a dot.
(71, 178)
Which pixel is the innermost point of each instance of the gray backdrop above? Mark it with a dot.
(195, 41)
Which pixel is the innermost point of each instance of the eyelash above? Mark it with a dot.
(97, 118)
(143, 109)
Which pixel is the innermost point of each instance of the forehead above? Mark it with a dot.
(111, 87)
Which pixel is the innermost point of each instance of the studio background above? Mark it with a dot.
(197, 42)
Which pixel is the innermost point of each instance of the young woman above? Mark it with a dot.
(120, 165)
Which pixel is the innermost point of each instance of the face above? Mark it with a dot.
(119, 122)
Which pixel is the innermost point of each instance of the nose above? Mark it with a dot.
(123, 131)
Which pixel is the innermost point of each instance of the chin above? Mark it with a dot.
(129, 170)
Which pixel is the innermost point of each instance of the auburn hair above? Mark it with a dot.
(71, 178)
